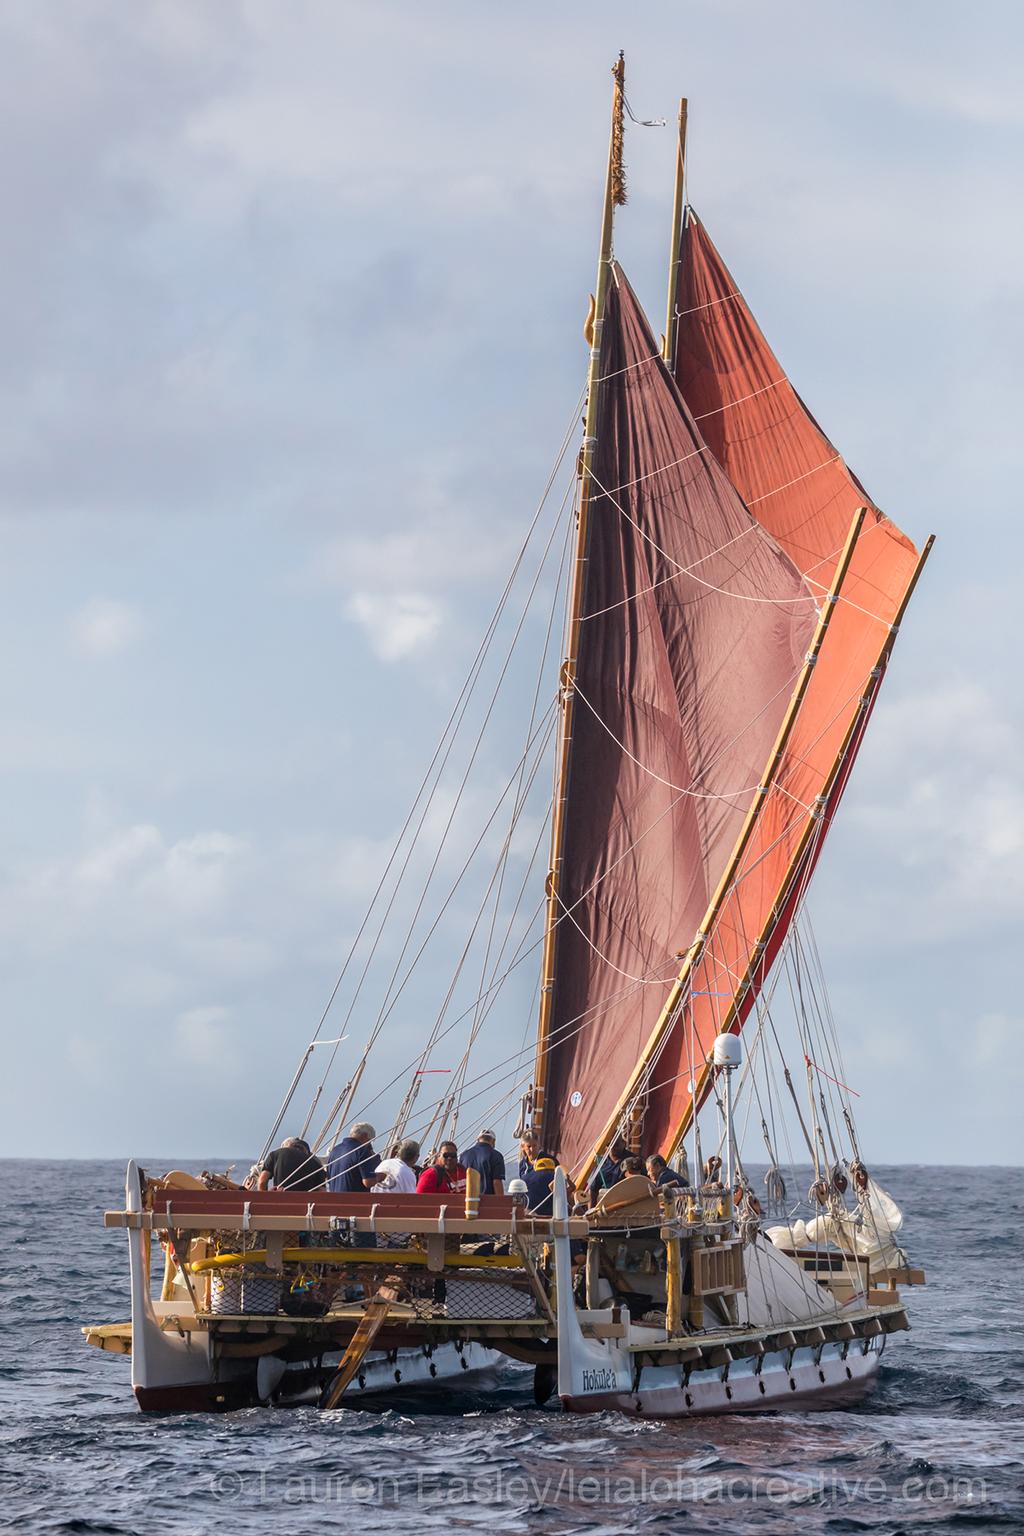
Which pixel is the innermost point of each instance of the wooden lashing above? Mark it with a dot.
(370, 1324)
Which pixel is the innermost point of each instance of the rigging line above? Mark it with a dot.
(443, 840)
(648, 980)
(432, 1040)
(743, 597)
(391, 999)
(464, 695)
(519, 801)
(710, 304)
(836, 459)
(518, 960)
(832, 1043)
(731, 404)
(684, 570)
(485, 969)
(694, 794)
(472, 759)
(571, 1028)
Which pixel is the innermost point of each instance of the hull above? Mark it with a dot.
(176, 1368)
(238, 1384)
(812, 1380)
(639, 1371)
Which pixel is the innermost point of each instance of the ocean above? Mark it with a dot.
(939, 1446)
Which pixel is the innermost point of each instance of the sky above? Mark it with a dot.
(292, 302)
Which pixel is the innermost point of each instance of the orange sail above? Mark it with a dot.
(801, 492)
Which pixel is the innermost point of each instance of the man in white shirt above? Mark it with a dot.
(397, 1175)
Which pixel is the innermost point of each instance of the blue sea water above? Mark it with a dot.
(939, 1446)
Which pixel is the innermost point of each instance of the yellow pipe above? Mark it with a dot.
(410, 1256)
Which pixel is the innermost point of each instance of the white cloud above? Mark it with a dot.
(396, 623)
(103, 628)
(202, 1035)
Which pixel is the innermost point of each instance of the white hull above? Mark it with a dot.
(597, 1374)
(174, 1368)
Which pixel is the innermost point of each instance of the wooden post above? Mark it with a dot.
(669, 1012)
(472, 1193)
(671, 319)
(568, 676)
(695, 1311)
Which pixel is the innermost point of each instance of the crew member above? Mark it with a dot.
(352, 1165)
(489, 1163)
(443, 1175)
(538, 1184)
(659, 1172)
(291, 1166)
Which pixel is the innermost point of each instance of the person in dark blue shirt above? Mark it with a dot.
(527, 1153)
(352, 1164)
(538, 1185)
(661, 1174)
(488, 1162)
(610, 1171)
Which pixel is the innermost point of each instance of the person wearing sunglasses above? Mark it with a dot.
(444, 1176)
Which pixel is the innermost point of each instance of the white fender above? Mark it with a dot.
(586, 1367)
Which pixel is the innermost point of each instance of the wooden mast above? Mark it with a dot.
(614, 193)
(786, 887)
(671, 319)
(669, 1013)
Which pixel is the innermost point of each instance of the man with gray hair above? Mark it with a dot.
(397, 1175)
(488, 1162)
(291, 1166)
(352, 1164)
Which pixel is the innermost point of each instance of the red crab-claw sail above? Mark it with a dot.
(801, 492)
(694, 628)
(619, 1048)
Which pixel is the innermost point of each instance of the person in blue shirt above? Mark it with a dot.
(527, 1153)
(488, 1162)
(538, 1184)
(352, 1164)
(610, 1171)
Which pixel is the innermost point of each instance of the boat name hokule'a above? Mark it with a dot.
(732, 599)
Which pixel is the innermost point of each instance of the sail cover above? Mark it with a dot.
(695, 623)
(802, 493)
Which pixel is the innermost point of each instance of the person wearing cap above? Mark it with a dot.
(488, 1162)
(538, 1184)
(351, 1167)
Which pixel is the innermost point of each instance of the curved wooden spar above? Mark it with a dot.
(613, 193)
